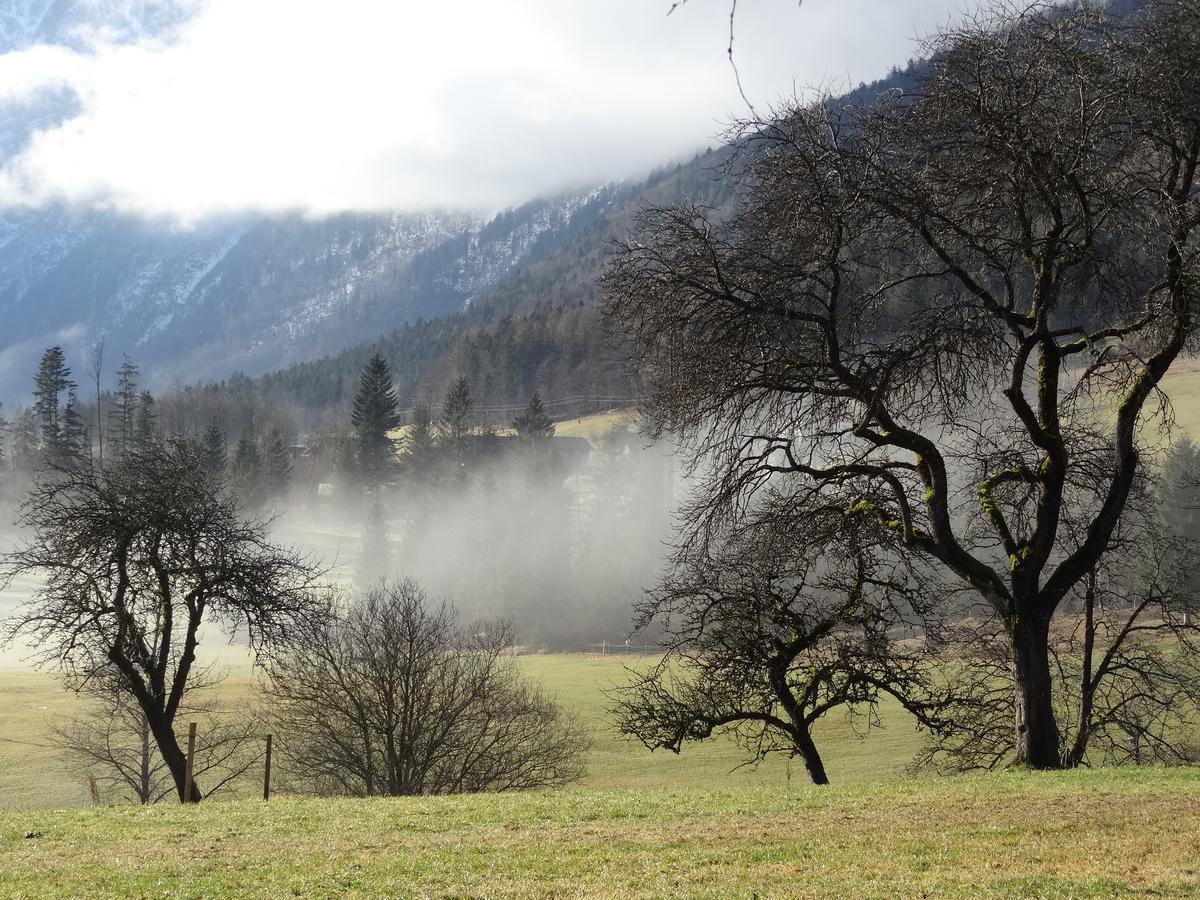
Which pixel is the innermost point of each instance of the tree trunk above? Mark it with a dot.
(1087, 688)
(1035, 729)
(173, 755)
(144, 774)
(812, 759)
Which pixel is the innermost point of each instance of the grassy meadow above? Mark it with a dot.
(639, 823)
(32, 775)
(1082, 834)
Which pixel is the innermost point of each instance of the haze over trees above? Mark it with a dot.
(914, 364)
(946, 310)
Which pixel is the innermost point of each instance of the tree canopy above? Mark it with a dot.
(946, 308)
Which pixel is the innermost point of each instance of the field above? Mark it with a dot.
(1086, 834)
(639, 824)
(32, 777)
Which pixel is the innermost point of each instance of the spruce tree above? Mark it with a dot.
(247, 472)
(145, 433)
(52, 379)
(533, 422)
(123, 413)
(73, 438)
(277, 465)
(375, 416)
(455, 426)
(25, 440)
(213, 452)
(420, 450)
(457, 411)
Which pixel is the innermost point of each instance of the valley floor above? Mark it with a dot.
(1082, 834)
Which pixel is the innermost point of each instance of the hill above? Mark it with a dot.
(1082, 834)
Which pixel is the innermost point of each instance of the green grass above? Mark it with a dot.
(31, 775)
(1084, 834)
(597, 425)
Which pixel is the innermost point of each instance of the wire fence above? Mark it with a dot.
(623, 648)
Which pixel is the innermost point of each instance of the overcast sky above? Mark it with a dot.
(279, 105)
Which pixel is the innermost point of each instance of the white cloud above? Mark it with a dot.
(278, 105)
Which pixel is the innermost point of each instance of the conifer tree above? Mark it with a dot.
(247, 472)
(457, 410)
(375, 416)
(277, 465)
(73, 439)
(145, 433)
(420, 450)
(25, 440)
(455, 426)
(533, 422)
(124, 409)
(213, 452)
(52, 379)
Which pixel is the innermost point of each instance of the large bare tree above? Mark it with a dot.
(958, 300)
(132, 561)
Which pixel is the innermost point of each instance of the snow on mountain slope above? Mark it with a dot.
(250, 294)
(254, 294)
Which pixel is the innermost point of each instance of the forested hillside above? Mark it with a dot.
(538, 329)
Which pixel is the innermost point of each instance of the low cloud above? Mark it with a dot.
(295, 105)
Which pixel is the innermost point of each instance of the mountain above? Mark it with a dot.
(247, 294)
(254, 294)
(538, 328)
(505, 297)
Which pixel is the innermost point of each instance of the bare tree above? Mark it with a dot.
(1125, 656)
(131, 561)
(953, 303)
(394, 696)
(95, 365)
(111, 741)
(789, 619)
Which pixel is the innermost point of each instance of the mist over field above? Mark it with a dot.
(562, 547)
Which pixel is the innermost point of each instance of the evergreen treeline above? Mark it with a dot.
(537, 330)
(494, 511)
(516, 523)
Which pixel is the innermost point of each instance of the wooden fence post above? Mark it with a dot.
(267, 772)
(191, 760)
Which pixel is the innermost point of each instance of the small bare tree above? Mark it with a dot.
(774, 626)
(111, 741)
(392, 695)
(131, 561)
(95, 366)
